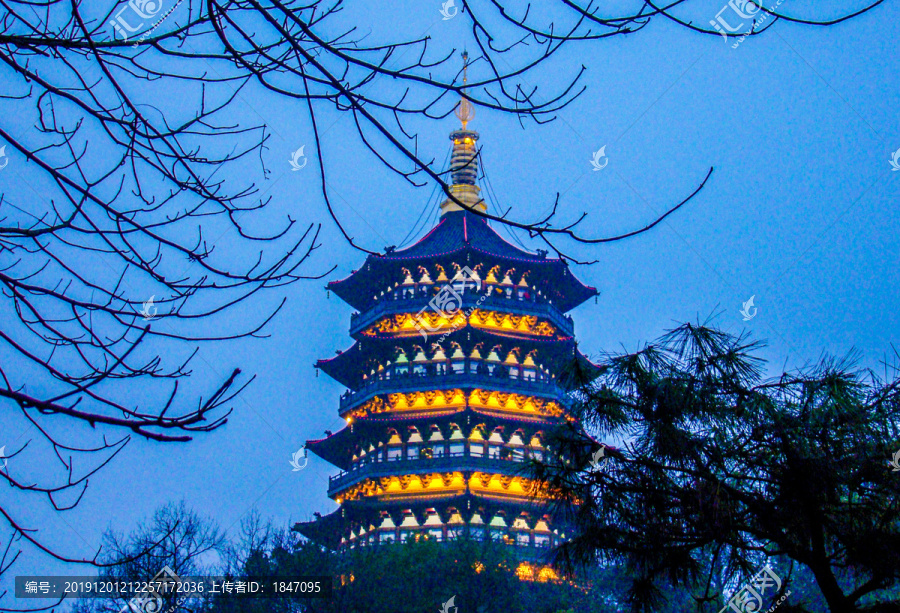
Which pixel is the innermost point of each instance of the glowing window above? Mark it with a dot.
(386, 537)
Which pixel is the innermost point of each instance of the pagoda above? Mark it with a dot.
(452, 383)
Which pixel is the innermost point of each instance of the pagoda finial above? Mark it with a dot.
(464, 160)
(465, 111)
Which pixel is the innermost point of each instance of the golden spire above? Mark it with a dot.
(464, 159)
(465, 111)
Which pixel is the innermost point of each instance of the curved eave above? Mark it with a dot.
(334, 449)
(341, 367)
(349, 288)
(326, 530)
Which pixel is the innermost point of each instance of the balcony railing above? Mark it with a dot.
(451, 374)
(500, 302)
(531, 551)
(372, 468)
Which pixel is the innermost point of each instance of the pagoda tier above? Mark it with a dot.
(463, 350)
(461, 238)
(525, 524)
(455, 432)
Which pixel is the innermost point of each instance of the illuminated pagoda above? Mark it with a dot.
(452, 383)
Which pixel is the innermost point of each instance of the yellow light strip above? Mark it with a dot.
(410, 324)
(438, 483)
(435, 400)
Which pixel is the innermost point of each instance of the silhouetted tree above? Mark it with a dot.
(714, 459)
(176, 538)
(413, 577)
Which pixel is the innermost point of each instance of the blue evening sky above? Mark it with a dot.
(801, 212)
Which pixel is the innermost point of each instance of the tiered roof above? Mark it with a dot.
(416, 407)
(350, 366)
(463, 237)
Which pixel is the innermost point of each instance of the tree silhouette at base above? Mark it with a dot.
(710, 459)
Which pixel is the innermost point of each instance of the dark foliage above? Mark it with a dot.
(418, 576)
(709, 459)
